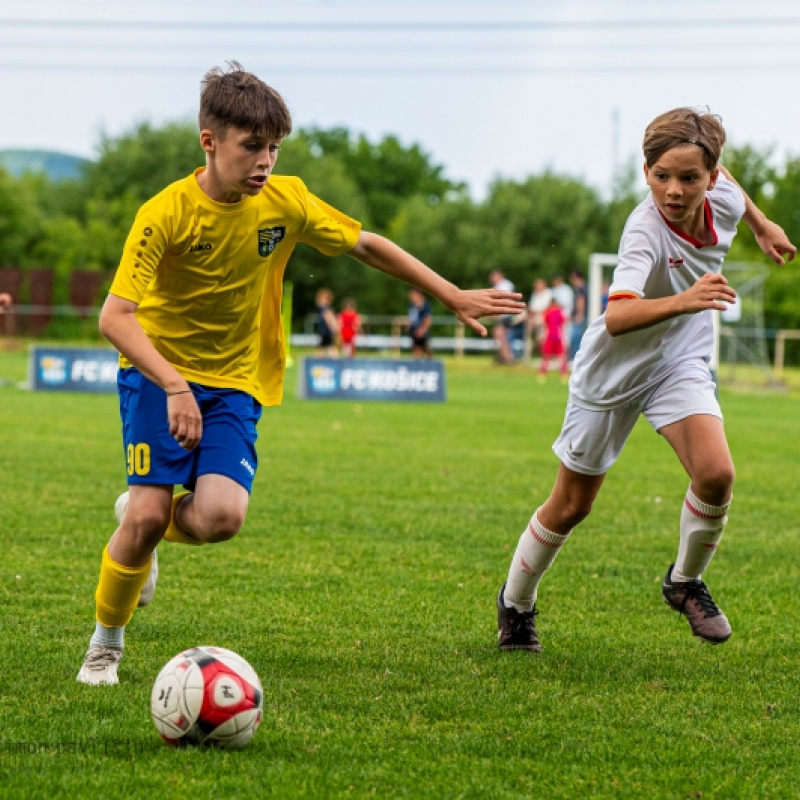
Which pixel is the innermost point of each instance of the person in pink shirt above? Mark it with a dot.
(553, 319)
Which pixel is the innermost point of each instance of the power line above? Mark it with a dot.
(479, 26)
(369, 72)
(386, 48)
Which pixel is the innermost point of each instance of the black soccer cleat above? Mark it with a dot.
(516, 630)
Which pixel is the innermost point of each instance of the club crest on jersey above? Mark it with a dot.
(268, 239)
(675, 262)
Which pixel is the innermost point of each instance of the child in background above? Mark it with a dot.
(349, 327)
(327, 326)
(420, 317)
(554, 319)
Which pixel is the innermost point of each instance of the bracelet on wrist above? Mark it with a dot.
(182, 391)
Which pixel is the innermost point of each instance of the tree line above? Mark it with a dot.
(541, 226)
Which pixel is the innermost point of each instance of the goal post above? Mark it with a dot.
(601, 266)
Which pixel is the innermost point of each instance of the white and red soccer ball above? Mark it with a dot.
(207, 696)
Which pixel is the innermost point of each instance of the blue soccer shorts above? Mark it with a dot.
(153, 457)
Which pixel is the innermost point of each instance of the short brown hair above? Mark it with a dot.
(235, 98)
(685, 126)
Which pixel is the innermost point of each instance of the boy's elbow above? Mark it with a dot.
(612, 326)
(103, 324)
(113, 314)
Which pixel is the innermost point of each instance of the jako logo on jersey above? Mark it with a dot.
(268, 239)
(675, 262)
(246, 464)
(202, 247)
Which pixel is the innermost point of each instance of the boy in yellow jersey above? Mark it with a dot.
(194, 311)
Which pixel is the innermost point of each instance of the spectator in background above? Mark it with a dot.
(578, 318)
(420, 318)
(553, 346)
(326, 324)
(502, 324)
(540, 300)
(563, 294)
(5, 301)
(565, 297)
(349, 327)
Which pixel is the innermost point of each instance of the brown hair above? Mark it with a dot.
(235, 98)
(685, 126)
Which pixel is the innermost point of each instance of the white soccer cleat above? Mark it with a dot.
(149, 589)
(100, 666)
(121, 505)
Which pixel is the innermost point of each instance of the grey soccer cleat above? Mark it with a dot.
(693, 600)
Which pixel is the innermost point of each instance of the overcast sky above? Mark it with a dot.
(499, 88)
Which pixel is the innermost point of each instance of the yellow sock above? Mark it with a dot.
(174, 533)
(118, 591)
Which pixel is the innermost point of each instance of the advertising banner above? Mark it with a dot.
(368, 379)
(73, 369)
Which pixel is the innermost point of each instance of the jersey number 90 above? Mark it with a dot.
(138, 459)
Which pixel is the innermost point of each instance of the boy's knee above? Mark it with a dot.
(222, 526)
(576, 511)
(715, 485)
(144, 527)
(571, 512)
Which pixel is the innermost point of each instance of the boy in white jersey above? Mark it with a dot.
(194, 311)
(649, 354)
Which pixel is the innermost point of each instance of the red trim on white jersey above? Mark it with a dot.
(709, 218)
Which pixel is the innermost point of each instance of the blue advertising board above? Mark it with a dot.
(73, 369)
(368, 379)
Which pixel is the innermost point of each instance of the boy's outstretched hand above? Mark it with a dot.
(470, 304)
(775, 243)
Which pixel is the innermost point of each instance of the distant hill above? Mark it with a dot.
(57, 166)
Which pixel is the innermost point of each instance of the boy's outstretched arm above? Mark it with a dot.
(468, 305)
(770, 236)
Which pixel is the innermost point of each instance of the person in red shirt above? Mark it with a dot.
(349, 327)
(553, 345)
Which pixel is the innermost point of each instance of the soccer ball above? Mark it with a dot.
(207, 696)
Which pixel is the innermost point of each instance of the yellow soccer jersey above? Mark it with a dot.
(207, 278)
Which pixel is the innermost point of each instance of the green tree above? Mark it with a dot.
(782, 290)
(20, 220)
(386, 173)
(144, 161)
(547, 225)
(752, 170)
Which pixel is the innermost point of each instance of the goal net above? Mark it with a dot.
(740, 343)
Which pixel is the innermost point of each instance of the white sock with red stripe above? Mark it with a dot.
(536, 551)
(701, 529)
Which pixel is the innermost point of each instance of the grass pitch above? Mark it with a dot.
(362, 590)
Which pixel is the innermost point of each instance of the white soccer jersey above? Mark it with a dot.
(655, 260)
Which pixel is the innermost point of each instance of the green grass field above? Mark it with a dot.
(362, 590)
